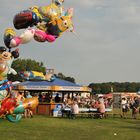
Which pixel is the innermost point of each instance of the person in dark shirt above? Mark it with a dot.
(40, 97)
(135, 106)
(57, 98)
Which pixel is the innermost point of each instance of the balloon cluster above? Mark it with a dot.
(11, 105)
(44, 23)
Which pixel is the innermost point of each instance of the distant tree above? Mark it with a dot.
(71, 79)
(104, 88)
(26, 65)
(62, 76)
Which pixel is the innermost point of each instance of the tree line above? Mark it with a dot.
(103, 88)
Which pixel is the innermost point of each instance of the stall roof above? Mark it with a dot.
(56, 85)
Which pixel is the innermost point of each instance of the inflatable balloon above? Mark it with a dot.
(25, 19)
(48, 22)
(32, 75)
(11, 40)
(35, 76)
(42, 36)
(6, 59)
(10, 107)
(54, 29)
(60, 25)
(8, 36)
(52, 11)
(34, 15)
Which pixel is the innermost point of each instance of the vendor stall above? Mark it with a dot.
(45, 87)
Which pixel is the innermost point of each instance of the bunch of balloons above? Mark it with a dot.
(11, 105)
(44, 23)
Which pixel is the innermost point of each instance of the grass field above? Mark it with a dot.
(44, 128)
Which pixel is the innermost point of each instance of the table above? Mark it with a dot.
(88, 109)
(83, 111)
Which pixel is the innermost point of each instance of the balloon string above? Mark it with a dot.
(77, 35)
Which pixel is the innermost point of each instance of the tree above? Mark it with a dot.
(26, 65)
(60, 75)
(117, 87)
(71, 79)
(63, 77)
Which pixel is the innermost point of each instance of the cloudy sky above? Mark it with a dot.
(106, 47)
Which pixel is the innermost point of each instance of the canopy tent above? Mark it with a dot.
(56, 85)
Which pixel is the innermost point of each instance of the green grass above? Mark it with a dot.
(44, 128)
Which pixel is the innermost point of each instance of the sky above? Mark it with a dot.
(106, 45)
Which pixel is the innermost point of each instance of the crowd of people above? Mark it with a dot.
(100, 103)
(128, 104)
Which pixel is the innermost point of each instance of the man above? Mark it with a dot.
(57, 98)
(101, 108)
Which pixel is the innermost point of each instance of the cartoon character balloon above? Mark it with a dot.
(6, 59)
(36, 76)
(33, 15)
(50, 22)
(10, 107)
(53, 30)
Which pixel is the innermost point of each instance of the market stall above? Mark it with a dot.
(56, 86)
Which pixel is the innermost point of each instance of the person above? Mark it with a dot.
(101, 109)
(74, 109)
(40, 97)
(124, 107)
(96, 104)
(66, 109)
(57, 98)
(135, 106)
(28, 95)
(47, 98)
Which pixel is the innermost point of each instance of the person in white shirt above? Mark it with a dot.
(124, 107)
(74, 109)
